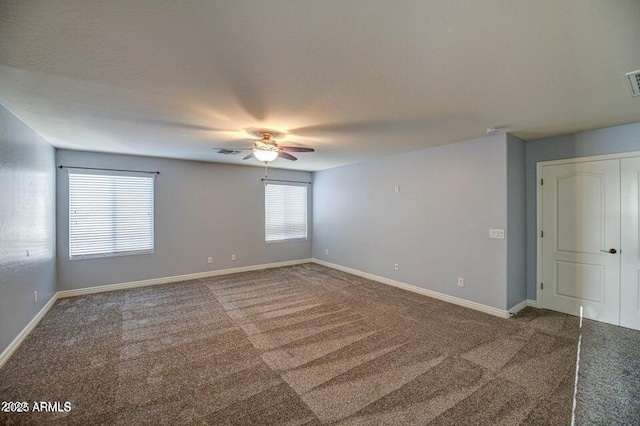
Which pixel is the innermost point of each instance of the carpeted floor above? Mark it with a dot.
(311, 345)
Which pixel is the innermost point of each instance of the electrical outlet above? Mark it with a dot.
(326, 252)
(460, 282)
(396, 267)
(233, 257)
(496, 233)
(396, 189)
(209, 259)
(35, 296)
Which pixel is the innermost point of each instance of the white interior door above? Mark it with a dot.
(581, 224)
(630, 282)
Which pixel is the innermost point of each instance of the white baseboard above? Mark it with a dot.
(9, 350)
(533, 303)
(177, 278)
(436, 295)
(520, 306)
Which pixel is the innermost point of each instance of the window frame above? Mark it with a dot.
(98, 172)
(286, 240)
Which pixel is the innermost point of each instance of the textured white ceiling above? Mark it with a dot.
(353, 79)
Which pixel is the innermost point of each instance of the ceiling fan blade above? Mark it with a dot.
(297, 149)
(286, 156)
(249, 156)
(232, 149)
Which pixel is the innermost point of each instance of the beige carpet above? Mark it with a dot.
(296, 345)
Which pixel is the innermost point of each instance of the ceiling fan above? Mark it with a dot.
(266, 149)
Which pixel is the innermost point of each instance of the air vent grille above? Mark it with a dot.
(634, 82)
(228, 152)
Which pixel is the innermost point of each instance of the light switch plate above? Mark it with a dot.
(496, 233)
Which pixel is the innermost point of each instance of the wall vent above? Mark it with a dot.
(228, 152)
(634, 82)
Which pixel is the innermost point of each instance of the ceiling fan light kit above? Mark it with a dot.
(265, 156)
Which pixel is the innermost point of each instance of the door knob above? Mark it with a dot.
(612, 251)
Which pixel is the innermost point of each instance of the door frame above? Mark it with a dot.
(539, 166)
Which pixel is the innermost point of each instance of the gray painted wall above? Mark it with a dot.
(201, 209)
(27, 225)
(436, 228)
(611, 140)
(516, 222)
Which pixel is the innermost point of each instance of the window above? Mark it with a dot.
(285, 212)
(110, 214)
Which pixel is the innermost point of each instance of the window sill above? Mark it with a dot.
(289, 240)
(118, 254)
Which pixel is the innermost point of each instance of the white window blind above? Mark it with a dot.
(285, 212)
(110, 214)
